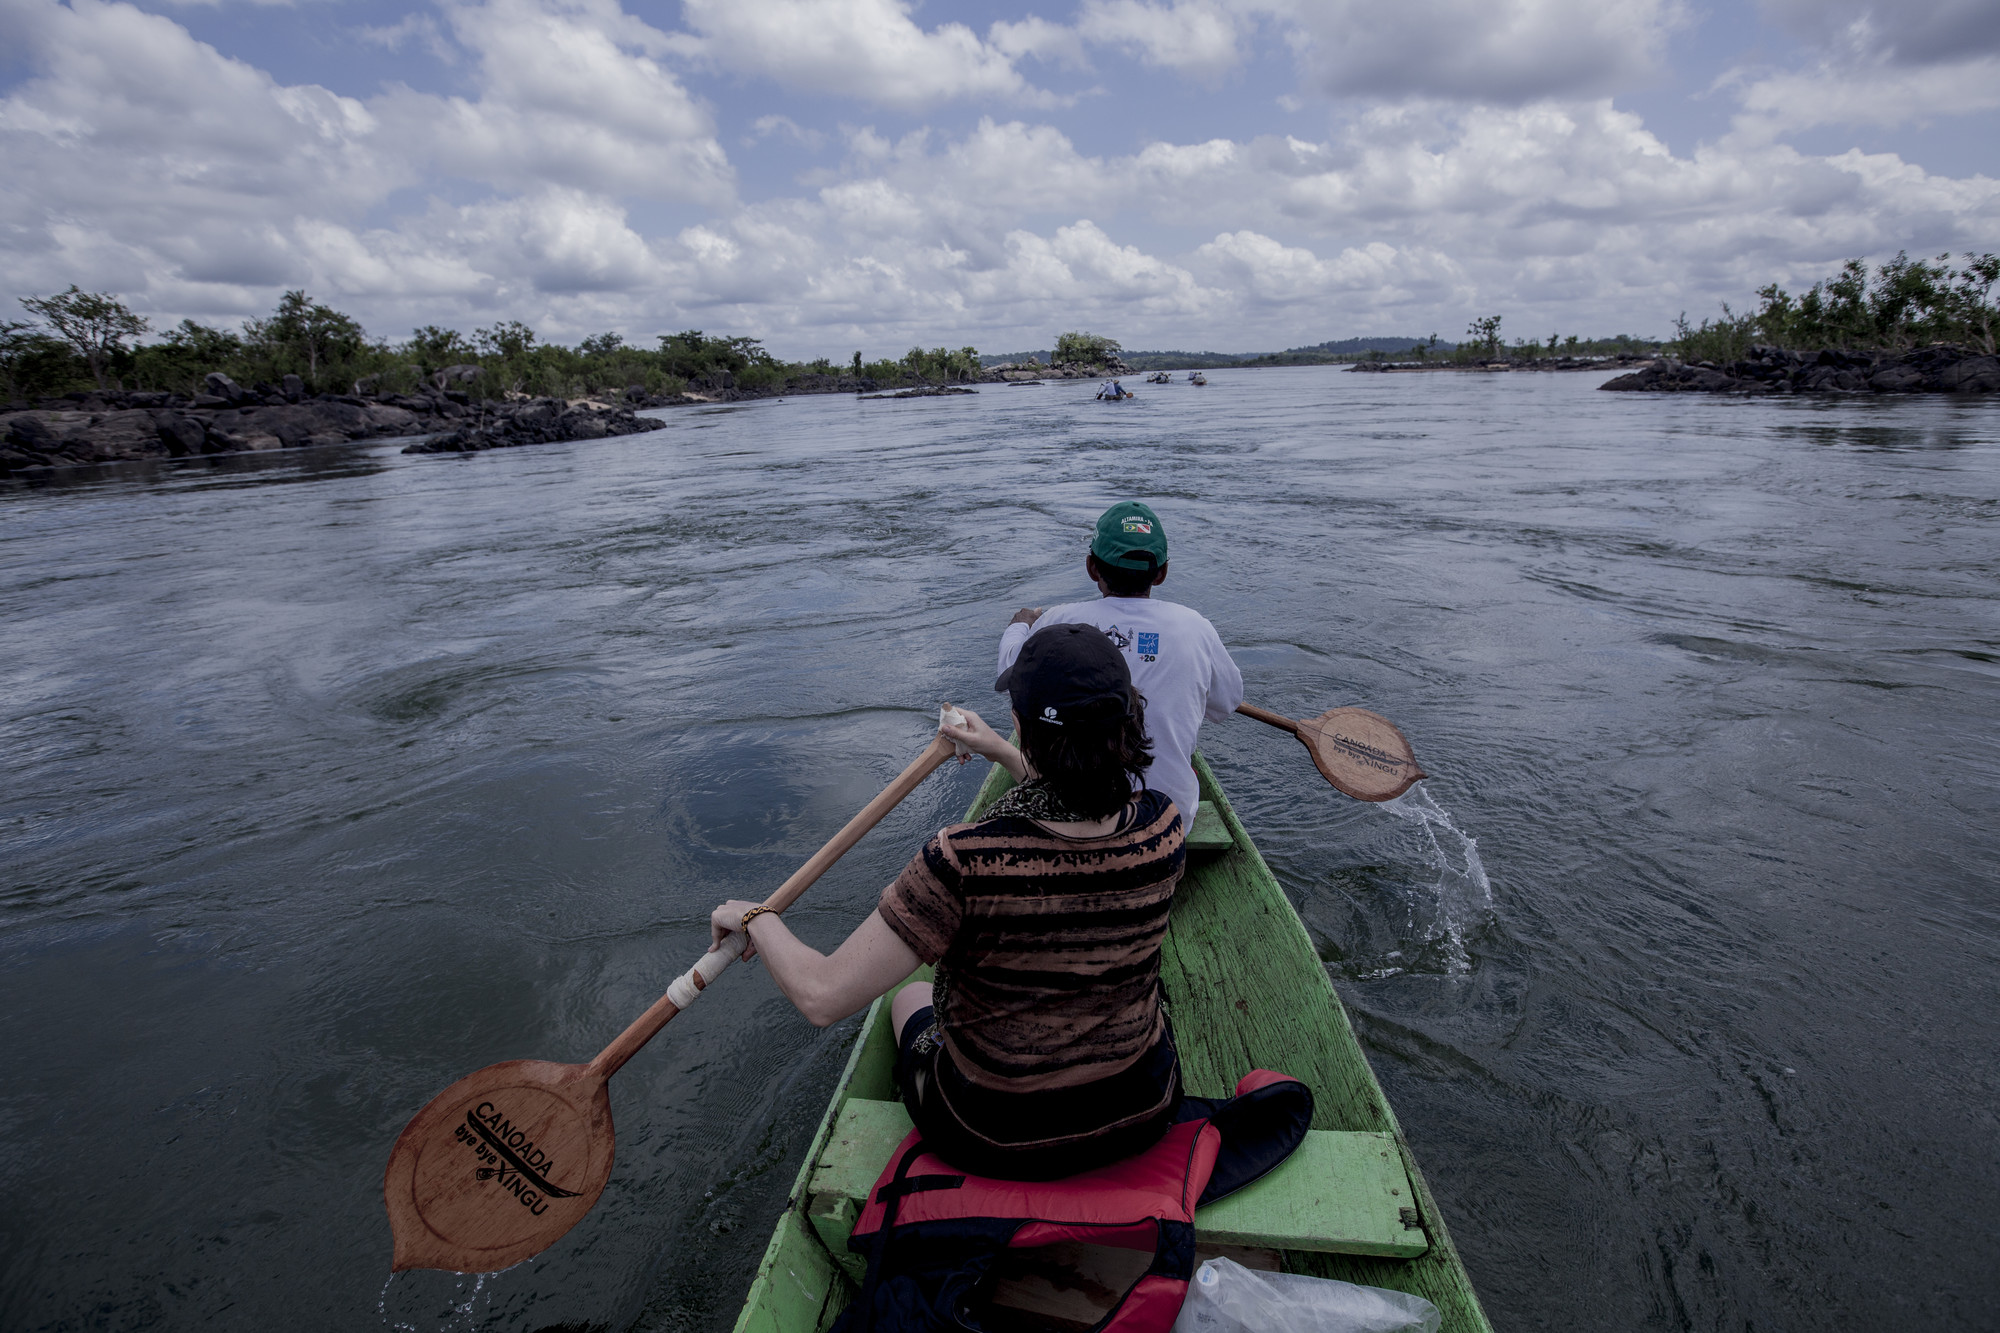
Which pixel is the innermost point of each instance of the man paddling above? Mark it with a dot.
(1176, 658)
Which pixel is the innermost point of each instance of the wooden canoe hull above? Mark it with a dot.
(1246, 990)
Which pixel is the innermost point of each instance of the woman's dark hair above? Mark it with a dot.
(1122, 582)
(1089, 762)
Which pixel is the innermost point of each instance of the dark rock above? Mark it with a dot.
(927, 391)
(180, 435)
(25, 430)
(294, 389)
(221, 386)
(1975, 374)
(1766, 370)
(1896, 379)
(538, 421)
(465, 374)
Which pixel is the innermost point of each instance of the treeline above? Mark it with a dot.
(1905, 304)
(80, 340)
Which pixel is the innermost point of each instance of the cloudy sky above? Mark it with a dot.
(834, 175)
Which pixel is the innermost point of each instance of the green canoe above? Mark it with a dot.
(1246, 990)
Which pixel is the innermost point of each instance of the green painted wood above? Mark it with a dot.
(1246, 989)
(1210, 832)
(1340, 1192)
(794, 1285)
(832, 1217)
(863, 1138)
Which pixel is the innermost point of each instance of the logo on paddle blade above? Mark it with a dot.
(511, 1158)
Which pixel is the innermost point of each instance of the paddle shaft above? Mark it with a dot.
(647, 1025)
(1278, 720)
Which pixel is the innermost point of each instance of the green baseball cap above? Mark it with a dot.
(1130, 536)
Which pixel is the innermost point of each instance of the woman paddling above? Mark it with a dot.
(1041, 1049)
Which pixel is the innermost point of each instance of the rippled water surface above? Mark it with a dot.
(331, 777)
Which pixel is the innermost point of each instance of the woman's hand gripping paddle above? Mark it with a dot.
(1359, 752)
(504, 1161)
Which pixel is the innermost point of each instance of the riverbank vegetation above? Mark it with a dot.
(1904, 304)
(81, 341)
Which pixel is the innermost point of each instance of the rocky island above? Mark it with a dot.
(117, 426)
(1769, 370)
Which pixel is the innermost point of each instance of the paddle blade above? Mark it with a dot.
(1361, 753)
(498, 1166)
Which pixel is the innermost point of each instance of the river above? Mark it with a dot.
(331, 776)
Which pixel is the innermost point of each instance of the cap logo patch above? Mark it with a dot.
(1049, 716)
(1138, 525)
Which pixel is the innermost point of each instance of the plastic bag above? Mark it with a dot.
(1226, 1297)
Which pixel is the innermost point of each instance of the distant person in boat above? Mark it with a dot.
(1041, 1049)
(1177, 660)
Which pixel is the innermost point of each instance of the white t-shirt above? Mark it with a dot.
(1178, 664)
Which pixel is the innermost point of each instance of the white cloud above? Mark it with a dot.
(1877, 93)
(870, 50)
(193, 183)
(159, 163)
(1196, 36)
(1909, 32)
(1499, 51)
(565, 99)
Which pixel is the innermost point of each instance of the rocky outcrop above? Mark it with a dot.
(1015, 372)
(118, 427)
(922, 391)
(533, 421)
(1503, 363)
(1769, 370)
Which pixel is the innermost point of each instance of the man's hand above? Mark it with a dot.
(1027, 615)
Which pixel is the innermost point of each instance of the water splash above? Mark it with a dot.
(453, 1304)
(1462, 898)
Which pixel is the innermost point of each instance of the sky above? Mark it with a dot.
(842, 175)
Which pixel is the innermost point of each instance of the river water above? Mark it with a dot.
(329, 777)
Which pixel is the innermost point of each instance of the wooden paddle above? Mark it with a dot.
(504, 1161)
(1359, 752)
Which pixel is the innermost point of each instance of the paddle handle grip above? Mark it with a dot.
(684, 989)
(1278, 720)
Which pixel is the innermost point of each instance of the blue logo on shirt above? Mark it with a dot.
(1148, 646)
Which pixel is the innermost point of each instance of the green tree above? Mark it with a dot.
(604, 344)
(304, 333)
(510, 339)
(1485, 332)
(435, 348)
(1971, 300)
(95, 325)
(33, 364)
(1090, 349)
(184, 354)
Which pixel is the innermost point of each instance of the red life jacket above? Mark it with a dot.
(932, 1233)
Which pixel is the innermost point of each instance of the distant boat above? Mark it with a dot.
(1111, 391)
(1196, 377)
(1159, 377)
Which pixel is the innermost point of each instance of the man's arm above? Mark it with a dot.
(1017, 632)
(1225, 680)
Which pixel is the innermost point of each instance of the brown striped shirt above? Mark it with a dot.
(1049, 947)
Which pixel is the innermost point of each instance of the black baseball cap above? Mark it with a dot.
(1064, 670)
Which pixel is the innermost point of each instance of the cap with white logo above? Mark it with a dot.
(1066, 670)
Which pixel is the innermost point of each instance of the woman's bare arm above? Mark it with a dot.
(824, 988)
